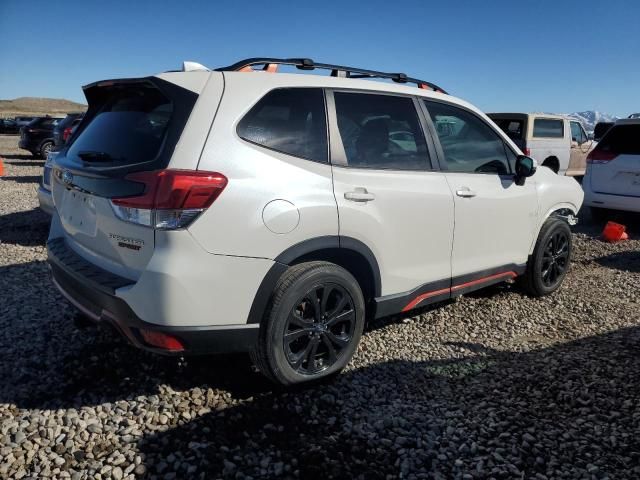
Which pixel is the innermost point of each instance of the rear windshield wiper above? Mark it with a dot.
(94, 156)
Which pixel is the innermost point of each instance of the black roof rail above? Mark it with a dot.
(270, 64)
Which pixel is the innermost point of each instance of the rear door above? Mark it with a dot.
(615, 163)
(132, 126)
(389, 195)
(494, 217)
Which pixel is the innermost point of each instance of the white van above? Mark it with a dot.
(555, 141)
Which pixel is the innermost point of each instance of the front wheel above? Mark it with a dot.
(549, 263)
(312, 326)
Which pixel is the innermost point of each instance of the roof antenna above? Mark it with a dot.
(194, 67)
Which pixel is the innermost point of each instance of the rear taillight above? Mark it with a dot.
(66, 133)
(171, 199)
(600, 156)
(527, 151)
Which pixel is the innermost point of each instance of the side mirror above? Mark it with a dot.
(525, 167)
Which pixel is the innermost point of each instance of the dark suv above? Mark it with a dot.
(63, 130)
(8, 126)
(37, 136)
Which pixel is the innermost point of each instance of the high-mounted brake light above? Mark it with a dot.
(600, 156)
(171, 199)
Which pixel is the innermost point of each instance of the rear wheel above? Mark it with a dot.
(552, 163)
(312, 326)
(549, 263)
(45, 148)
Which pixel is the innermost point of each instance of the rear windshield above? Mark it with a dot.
(548, 128)
(512, 127)
(621, 140)
(600, 129)
(129, 128)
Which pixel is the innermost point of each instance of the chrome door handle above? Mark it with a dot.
(465, 193)
(359, 195)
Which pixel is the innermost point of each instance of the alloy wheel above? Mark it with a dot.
(319, 328)
(555, 259)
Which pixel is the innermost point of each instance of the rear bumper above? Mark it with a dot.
(92, 291)
(614, 202)
(46, 200)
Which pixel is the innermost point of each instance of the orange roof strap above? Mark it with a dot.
(268, 67)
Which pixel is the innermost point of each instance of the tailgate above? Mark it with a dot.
(615, 161)
(131, 126)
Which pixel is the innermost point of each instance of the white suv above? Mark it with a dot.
(612, 181)
(243, 210)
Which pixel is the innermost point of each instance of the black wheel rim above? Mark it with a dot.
(319, 329)
(555, 259)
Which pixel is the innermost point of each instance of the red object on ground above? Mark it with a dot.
(1, 166)
(614, 232)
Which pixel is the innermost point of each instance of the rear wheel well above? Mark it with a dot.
(353, 262)
(553, 163)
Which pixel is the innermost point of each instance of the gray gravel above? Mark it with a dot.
(494, 385)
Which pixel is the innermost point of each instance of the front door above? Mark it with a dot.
(580, 148)
(494, 218)
(389, 197)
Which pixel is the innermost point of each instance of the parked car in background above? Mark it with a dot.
(555, 141)
(600, 129)
(64, 128)
(45, 199)
(24, 120)
(634, 115)
(8, 126)
(612, 181)
(37, 136)
(267, 234)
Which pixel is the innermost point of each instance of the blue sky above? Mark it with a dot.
(557, 56)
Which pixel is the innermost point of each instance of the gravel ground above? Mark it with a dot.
(493, 385)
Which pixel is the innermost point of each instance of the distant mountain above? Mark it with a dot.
(39, 106)
(591, 117)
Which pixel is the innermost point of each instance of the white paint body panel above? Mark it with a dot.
(183, 285)
(408, 227)
(495, 227)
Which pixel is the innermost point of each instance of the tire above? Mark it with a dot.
(45, 148)
(549, 263)
(552, 164)
(599, 215)
(317, 347)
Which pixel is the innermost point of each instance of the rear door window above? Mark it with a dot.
(548, 128)
(129, 128)
(381, 132)
(621, 140)
(291, 121)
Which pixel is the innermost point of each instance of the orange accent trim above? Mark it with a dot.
(416, 301)
(423, 86)
(246, 69)
(413, 303)
(1, 167)
(484, 279)
(271, 67)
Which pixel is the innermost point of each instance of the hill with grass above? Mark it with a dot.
(38, 106)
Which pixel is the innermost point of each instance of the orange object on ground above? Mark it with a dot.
(1, 166)
(614, 232)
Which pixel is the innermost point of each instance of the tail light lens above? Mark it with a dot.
(66, 133)
(527, 151)
(161, 340)
(171, 199)
(600, 156)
